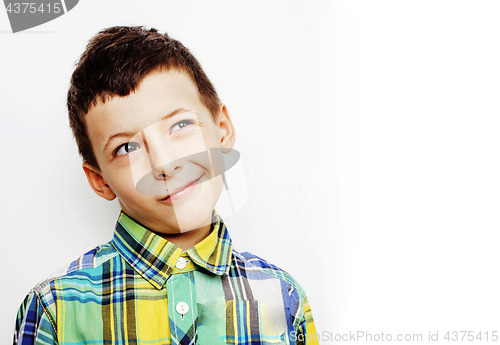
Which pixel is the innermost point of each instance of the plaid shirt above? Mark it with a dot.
(141, 289)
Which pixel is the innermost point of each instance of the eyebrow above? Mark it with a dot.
(130, 134)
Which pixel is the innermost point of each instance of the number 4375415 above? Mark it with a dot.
(30, 7)
(471, 336)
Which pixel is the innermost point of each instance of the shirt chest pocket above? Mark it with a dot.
(246, 322)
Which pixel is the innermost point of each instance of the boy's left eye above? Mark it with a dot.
(180, 125)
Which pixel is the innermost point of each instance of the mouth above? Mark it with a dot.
(182, 191)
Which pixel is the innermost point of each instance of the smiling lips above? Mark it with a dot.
(181, 192)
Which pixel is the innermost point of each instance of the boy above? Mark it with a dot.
(149, 126)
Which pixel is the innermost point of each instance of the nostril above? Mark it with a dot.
(159, 173)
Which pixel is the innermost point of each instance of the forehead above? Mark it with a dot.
(157, 95)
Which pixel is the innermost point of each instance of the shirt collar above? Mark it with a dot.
(154, 258)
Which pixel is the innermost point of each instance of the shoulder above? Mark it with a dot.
(86, 262)
(263, 269)
(37, 313)
(69, 277)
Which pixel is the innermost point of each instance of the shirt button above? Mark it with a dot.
(182, 308)
(181, 263)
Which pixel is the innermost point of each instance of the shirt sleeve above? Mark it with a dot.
(306, 331)
(33, 326)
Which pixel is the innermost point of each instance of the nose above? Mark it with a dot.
(165, 171)
(163, 165)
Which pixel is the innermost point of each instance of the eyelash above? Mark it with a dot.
(121, 146)
(186, 122)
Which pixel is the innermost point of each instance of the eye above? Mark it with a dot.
(126, 148)
(180, 125)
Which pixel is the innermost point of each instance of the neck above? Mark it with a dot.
(188, 239)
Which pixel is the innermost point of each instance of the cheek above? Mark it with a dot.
(122, 183)
(216, 184)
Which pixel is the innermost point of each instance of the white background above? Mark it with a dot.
(368, 131)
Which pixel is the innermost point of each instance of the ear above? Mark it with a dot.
(97, 183)
(228, 135)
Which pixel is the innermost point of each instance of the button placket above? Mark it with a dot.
(182, 307)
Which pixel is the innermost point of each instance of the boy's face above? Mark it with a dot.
(159, 135)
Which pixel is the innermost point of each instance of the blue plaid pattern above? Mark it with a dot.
(130, 291)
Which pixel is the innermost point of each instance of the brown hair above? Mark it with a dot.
(116, 60)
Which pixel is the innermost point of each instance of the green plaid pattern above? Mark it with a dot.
(130, 291)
